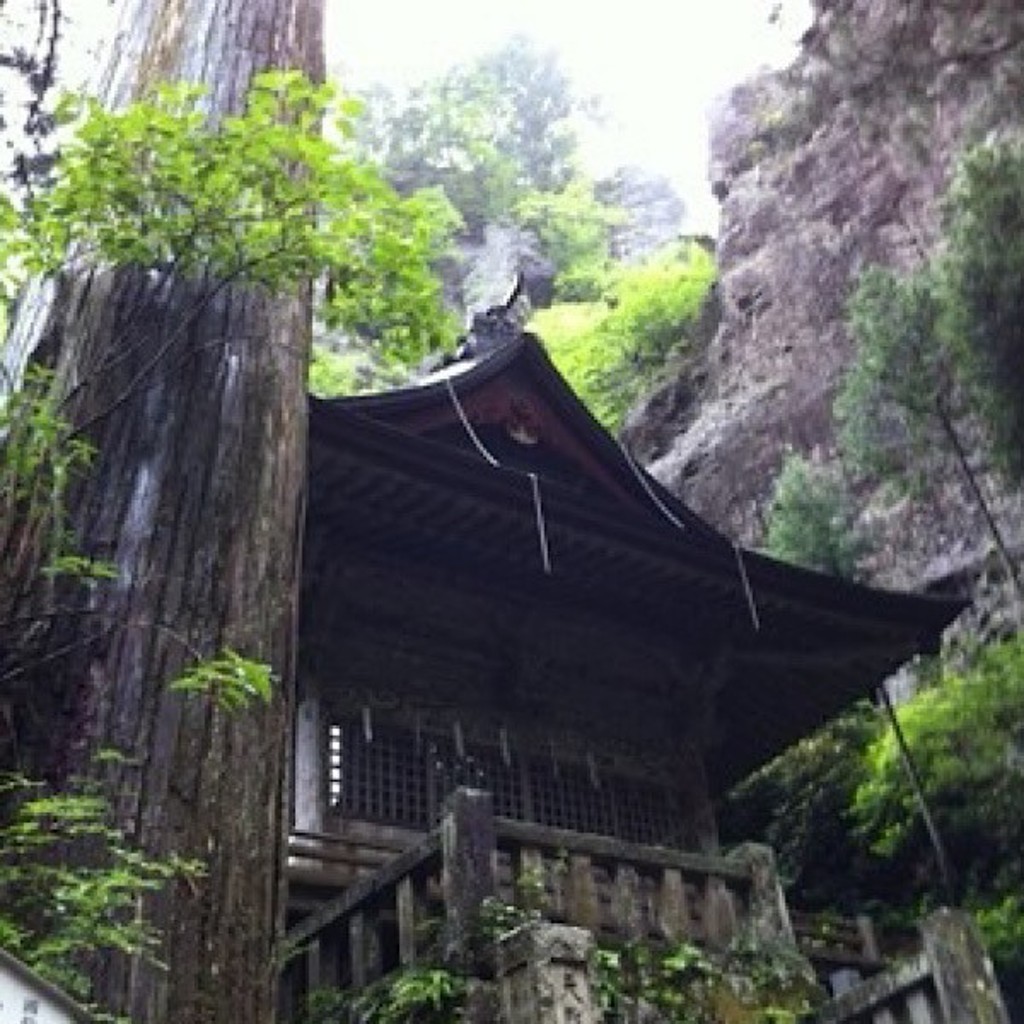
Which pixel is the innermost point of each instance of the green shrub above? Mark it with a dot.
(332, 373)
(70, 885)
(811, 519)
(610, 352)
(984, 299)
(966, 734)
(574, 229)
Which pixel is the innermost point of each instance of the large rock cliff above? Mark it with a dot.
(838, 162)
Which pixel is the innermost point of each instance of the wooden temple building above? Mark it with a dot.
(497, 596)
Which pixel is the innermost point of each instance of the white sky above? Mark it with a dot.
(656, 64)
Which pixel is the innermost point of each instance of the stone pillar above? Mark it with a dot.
(962, 971)
(310, 767)
(544, 975)
(469, 851)
(769, 915)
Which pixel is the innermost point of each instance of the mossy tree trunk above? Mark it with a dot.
(193, 394)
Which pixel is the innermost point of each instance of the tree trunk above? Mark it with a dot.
(1009, 566)
(195, 496)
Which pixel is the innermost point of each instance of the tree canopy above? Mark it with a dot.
(485, 132)
(842, 814)
(261, 197)
(611, 350)
(811, 519)
(984, 301)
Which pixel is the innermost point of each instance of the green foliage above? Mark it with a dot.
(800, 804)
(326, 1006)
(38, 455)
(485, 133)
(261, 197)
(538, 103)
(948, 337)
(38, 461)
(967, 735)
(611, 352)
(414, 995)
(575, 230)
(419, 995)
(984, 267)
(331, 373)
(902, 376)
(811, 519)
(81, 567)
(840, 811)
(353, 369)
(684, 984)
(70, 885)
(232, 682)
(1001, 922)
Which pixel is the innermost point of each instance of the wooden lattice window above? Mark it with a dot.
(401, 777)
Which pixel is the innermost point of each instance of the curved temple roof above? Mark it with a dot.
(492, 463)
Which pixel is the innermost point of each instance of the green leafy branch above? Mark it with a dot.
(262, 196)
(231, 681)
(70, 885)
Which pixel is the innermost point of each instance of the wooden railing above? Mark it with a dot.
(429, 896)
(347, 851)
(834, 943)
(621, 890)
(427, 900)
(950, 981)
(905, 992)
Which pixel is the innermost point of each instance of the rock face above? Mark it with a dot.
(839, 162)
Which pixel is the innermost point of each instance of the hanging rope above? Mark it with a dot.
(480, 447)
(747, 589)
(542, 533)
(538, 508)
(646, 485)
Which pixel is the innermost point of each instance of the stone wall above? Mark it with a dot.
(823, 169)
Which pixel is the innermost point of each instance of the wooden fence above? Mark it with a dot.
(427, 898)
(426, 902)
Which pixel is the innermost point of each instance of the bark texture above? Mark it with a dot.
(196, 406)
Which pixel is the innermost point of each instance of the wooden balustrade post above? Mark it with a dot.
(868, 938)
(405, 909)
(357, 951)
(583, 908)
(468, 850)
(719, 918)
(365, 960)
(962, 971)
(313, 966)
(626, 902)
(769, 915)
(673, 917)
